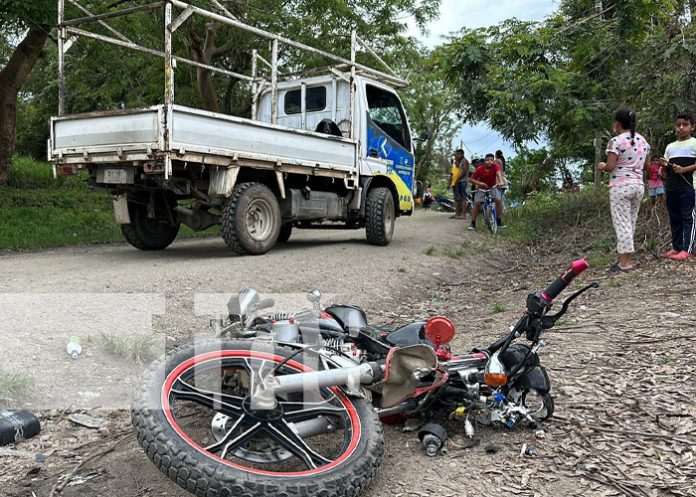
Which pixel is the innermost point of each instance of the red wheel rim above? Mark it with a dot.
(355, 426)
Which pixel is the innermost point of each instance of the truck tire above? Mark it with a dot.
(177, 441)
(380, 214)
(145, 233)
(250, 219)
(285, 232)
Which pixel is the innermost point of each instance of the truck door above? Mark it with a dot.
(388, 137)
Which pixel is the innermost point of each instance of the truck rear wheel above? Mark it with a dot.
(250, 219)
(380, 214)
(145, 233)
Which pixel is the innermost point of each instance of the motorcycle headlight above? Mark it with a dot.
(495, 375)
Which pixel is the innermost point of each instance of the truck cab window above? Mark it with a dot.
(316, 100)
(386, 112)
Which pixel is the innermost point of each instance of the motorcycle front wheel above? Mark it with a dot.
(540, 406)
(195, 418)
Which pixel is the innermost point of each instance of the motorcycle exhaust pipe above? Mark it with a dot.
(365, 374)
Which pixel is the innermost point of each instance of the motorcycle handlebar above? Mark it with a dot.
(555, 288)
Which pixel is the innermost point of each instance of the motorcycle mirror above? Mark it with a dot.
(264, 304)
(314, 295)
(243, 302)
(439, 330)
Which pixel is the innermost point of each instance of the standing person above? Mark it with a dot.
(487, 177)
(678, 169)
(500, 159)
(627, 154)
(428, 198)
(656, 187)
(458, 180)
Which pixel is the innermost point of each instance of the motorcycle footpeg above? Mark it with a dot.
(433, 437)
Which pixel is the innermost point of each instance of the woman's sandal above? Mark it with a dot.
(618, 269)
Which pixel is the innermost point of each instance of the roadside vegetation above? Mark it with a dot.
(15, 386)
(580, 224)
(39, 211)
(140, 349)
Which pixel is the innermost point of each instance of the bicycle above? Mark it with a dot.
(490, 213)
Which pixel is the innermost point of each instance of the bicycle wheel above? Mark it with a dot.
(491, 221)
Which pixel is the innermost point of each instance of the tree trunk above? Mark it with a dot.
(598, 158)
(12, 78)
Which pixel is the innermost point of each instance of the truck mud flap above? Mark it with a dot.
(121, 213)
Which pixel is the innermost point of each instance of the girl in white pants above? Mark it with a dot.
(627, 154)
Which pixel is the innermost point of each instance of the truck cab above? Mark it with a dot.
(384, 142)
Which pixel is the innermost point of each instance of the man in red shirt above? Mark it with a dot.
(487, 177)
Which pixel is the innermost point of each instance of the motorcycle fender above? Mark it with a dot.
(535, 379)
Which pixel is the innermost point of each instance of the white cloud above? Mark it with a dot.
(458, 14)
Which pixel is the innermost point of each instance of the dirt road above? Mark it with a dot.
(624, 427)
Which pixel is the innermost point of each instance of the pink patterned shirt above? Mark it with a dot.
(631, 159)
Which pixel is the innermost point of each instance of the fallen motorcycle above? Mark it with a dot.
(290, 404)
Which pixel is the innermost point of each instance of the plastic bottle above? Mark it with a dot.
(73, 347)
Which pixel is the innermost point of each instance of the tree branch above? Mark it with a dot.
(24, 57)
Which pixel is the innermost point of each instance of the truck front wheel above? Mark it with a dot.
(250, 220)
(145, 233)
(380, 214)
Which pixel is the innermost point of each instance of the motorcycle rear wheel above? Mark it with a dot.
(193, 420)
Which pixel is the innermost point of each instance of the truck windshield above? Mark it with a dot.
(385, 111)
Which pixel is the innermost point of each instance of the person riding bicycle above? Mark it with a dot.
(487, 177)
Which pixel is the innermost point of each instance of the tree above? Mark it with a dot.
(100, 77)
(562, 78)
(431, 106)
(31, 21)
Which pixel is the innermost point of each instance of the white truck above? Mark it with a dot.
(322, 151)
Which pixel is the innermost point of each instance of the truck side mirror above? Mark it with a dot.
(424, 136)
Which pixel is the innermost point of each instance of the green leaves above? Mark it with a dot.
(561, 79)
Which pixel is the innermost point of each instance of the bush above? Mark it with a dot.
(580, 224)
(561, 217)
(45, 212)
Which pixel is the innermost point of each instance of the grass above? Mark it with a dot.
(454, 254)
(15, 386)
(545, 216)
(497, 308)
(430, 250)
(37, 211)
(139, 350)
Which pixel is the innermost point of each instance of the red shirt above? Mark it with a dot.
(487, 175)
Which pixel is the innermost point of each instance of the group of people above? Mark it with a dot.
(486, 175)
(671, 176)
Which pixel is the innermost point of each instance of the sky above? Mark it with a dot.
(456, 14)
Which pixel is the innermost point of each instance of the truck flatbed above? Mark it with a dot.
(136, 135)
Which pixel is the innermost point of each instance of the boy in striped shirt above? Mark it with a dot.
(678, 169)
